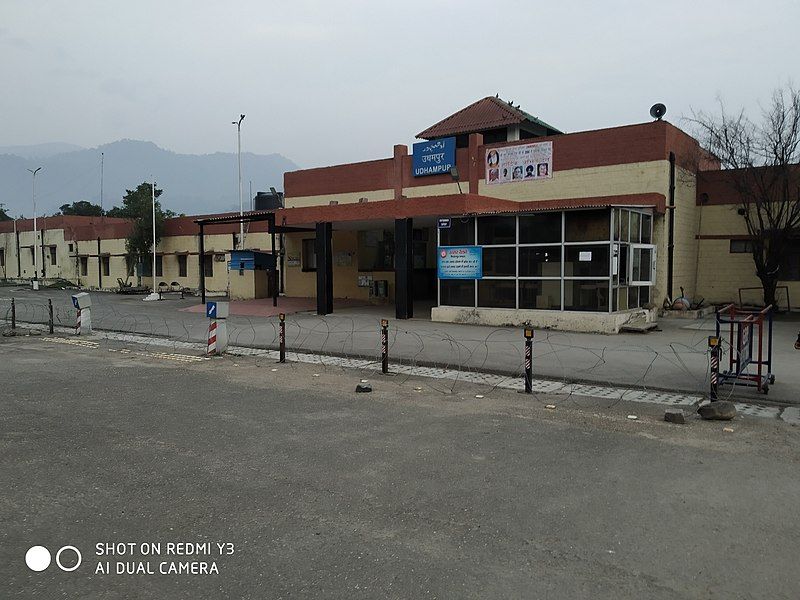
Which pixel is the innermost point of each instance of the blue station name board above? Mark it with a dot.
(434, 157)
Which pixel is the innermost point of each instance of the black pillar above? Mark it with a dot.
(324, 269)
(99, 266)
(202, 266)
(404, 268)
(274, 273)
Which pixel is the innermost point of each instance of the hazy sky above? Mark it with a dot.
(330, 82)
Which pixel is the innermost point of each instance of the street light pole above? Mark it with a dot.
(241, 205)
(35, 232)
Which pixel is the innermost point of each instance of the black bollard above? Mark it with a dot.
(384, 346)
(282, 337)
(13, 315)
(50, 314)
(713, 343)
(528, 360)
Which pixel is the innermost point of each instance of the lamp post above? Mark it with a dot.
(35, 232)
(241, 206)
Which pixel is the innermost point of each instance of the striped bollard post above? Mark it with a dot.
(713, 343)
(282, 338)
(211, 346)
(78, 323)
(384, 346)
(13, 314)
(528, 360)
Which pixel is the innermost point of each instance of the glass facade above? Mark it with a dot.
(585, 260)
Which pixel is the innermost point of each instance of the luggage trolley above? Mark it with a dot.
(745, 331)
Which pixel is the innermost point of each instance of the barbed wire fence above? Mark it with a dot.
(422, 351)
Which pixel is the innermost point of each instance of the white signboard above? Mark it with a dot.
(526, 162)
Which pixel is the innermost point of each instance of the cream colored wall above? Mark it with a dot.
(685, 235)
(633, 178)
(347, 198)
(721, 273)
(345, 277)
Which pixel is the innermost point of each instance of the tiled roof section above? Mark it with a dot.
(489, 113)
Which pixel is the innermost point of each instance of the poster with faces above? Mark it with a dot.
(525, 162)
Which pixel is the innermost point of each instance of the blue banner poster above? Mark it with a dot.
(460, 262)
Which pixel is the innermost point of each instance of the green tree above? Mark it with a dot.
(137, 205)
(81, 208)
(4, 216)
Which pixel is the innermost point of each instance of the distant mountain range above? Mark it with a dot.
(192, 183)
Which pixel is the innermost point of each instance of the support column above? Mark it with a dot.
(99, 267)
(273, 283)
(202, 266)
(476, 166)
(404, 268)
(324, 253)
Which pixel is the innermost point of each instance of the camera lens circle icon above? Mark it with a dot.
(77, 562)
(37, 558)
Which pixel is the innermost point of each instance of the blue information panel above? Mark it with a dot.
(443, 223)
(435, 157)
(460, 262)
(211, 310)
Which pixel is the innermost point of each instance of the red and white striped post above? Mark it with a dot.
(713, 343)
(528, 334)
(211, 346)
(78, 323)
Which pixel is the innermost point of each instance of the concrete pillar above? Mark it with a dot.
(404, 268)
(400, 152)
(476, 158)
(323, 247)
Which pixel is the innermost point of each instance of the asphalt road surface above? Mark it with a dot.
(293, 486)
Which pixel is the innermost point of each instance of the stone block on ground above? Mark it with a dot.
(675, 415)
(363, 388)
(721, 410)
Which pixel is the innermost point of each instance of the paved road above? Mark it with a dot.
(400, 493)
(672, 359)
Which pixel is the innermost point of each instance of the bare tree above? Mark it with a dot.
(763, 162)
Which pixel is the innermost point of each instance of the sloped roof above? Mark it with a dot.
(488, 113)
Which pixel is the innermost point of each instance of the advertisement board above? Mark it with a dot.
(460, 262)
(526, 162)
(434, 157)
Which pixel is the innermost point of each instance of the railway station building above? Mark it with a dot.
(495, 217)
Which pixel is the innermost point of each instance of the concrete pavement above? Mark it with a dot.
(672, 359)
(323, 493)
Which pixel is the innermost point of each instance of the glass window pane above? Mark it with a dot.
(587, 225)
(497, 230)
(541, 228)
(586, 295)
(617, 218)
(540, 261)
(497, 293)
(460, 233)
(623, 225)
(636, 222)
(633, 297)
(500, 262)
(586, 261)
(457, 292)
(542, 294)
(647, 229)
(642, 262)
(644, 295)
